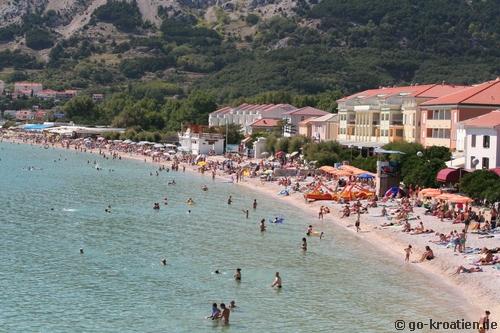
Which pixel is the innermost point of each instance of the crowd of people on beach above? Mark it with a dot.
(398, 211)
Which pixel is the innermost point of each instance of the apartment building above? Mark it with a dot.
(384, 115)
(441, 116)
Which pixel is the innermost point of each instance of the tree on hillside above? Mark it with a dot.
(81, 109)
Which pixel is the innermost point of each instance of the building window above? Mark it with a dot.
(486, 163)
(486, 141)
(473, 141)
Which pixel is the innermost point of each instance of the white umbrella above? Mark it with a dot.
(127, 141)
(169, 145)
(294, 153)
(173, 152)
(158, 145)
(117, 141)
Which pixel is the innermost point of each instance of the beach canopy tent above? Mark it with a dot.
(450, 175)
(170, 145)
(345, 170)
(393, 192)
(460, 199)
(429, 192)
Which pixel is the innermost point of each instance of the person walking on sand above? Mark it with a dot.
(358, 221)
(277, 281)
(320, 213)
(408, 251)
(484, 322)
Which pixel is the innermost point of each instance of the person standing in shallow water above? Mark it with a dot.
(262, 225)
(277, 281)
(224, 315)
(237, 275)
(254, 204)
(230, 200)
(304, 244)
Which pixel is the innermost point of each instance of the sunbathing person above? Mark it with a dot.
(462, 269)
(346, 212)
(443, 240)
(427, 255)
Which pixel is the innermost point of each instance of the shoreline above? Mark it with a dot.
(479, 292)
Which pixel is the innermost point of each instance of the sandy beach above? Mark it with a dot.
(481, 290)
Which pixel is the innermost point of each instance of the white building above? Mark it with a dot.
(294, 117)
(482, 141)
(2, 87)
(247, 114)
(201, 143)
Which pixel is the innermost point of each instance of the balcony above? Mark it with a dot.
(438, 123)
(437, 142)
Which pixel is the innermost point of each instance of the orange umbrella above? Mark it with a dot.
(460, 199)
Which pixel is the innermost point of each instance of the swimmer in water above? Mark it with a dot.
(277, 281)
(81, 250)
(189, 211)
(254, 204)
(304, 244)
(217, 271)
(164, 262)
(262, 225)
(237, 275)
(190, 201)
(230, 200)
(232, 305)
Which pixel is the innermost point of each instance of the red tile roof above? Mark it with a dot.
(488, 120)
(266, 122)
(307, 111)
(487, 93)
(423, 91)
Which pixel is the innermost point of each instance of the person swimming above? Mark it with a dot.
(304, 244)
(204, 188)
(262, 225)
(190, 201)
(230, 200)
(164, 262)
(81, 250)
(156, 206)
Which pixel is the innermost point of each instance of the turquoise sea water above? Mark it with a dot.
(118, 285)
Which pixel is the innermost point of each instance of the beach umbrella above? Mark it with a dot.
(295, 153)
(128, 141)
(117, 141)
(172, 152)
(158, 145)
(268, 172)
(365, 176)
(460, 199)
(202, 163)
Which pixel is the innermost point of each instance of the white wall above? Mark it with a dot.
(478, 151)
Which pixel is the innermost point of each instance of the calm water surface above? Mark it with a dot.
(118, 285)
